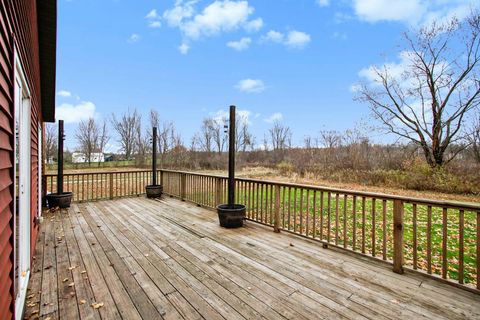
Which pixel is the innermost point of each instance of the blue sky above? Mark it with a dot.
(292, 60)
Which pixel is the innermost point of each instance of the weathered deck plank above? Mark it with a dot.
(144, 259)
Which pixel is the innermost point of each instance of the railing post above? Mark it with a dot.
(276, 221)
(161, 177)
(218, 191)
(110, 177)
(183, 185)
(398, 231)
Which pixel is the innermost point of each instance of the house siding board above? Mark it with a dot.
(18, 25)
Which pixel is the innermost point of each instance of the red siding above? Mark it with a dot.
(18, 28)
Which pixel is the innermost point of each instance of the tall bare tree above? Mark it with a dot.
(126, 128)
(473, 137)
(426, 98)
(51, 141)
(87, 136)
(280, 136)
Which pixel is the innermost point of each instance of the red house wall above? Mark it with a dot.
(18, 29)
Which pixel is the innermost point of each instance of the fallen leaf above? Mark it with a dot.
(71, 268)
(65, 280)
(47, 318)
(97, 305)
(71, 284)
(82, 302)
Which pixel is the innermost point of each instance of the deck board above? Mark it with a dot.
(135, 258)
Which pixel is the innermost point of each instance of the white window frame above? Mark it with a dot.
(25, 185)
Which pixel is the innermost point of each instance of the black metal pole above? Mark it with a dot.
(231, 159)
(154, 157)
(61, 137)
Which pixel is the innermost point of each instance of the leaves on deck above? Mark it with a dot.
(97, 305)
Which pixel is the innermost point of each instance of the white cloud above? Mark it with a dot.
(411, 11)
(71, 113)
(297, 39)
(294, 39)
(175, 16)
(220, 16)
(153, 19)
(273, 36)
(240, 45)
(277, 116)
(152, 14)
(323, 3)
(250, 86)
(242, 115)
(133, 38)
(217, 17)
(184, 48)
(254, 25)
(64, 93)
(155, 24)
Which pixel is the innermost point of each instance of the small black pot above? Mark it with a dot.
(231, 216)
(62, 200)
(154, 192)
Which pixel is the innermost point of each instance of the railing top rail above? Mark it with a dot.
(381, 196)
(97, 172)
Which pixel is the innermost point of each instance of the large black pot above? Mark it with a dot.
(62, 200)
(231, 216)
(154, 191)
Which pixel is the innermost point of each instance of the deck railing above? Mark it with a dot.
(439, 238)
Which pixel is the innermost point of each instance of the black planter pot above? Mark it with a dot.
(62, 200)
(154, 191)
(231, 217)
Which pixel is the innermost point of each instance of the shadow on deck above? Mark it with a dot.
(135, 258)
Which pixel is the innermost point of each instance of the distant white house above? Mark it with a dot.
(80, 157)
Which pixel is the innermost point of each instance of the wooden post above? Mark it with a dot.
(398, 236)
(183, 184)
(218, 191)
(161, 177)
(110, 176)
(276, 221)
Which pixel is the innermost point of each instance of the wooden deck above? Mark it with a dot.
(135, 258)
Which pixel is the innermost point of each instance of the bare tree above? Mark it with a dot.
(473, 137)
(330, 139)
(51, 138)
(126, 128)
(103, 138)
(205, 139)
(243, 137)
(87, 136)
(280, 136)
(426, 103)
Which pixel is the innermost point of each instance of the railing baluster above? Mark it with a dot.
(363, 224)
(328, 216)
(314, 218)
(415, 241)
(384, 229)
(444, 243)
(461, 227)
(429, 240)
(373, 228)
(301, 210)
(345, 233)
(337, 202)
(321, 215)
(307, 213)
(354, 228)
